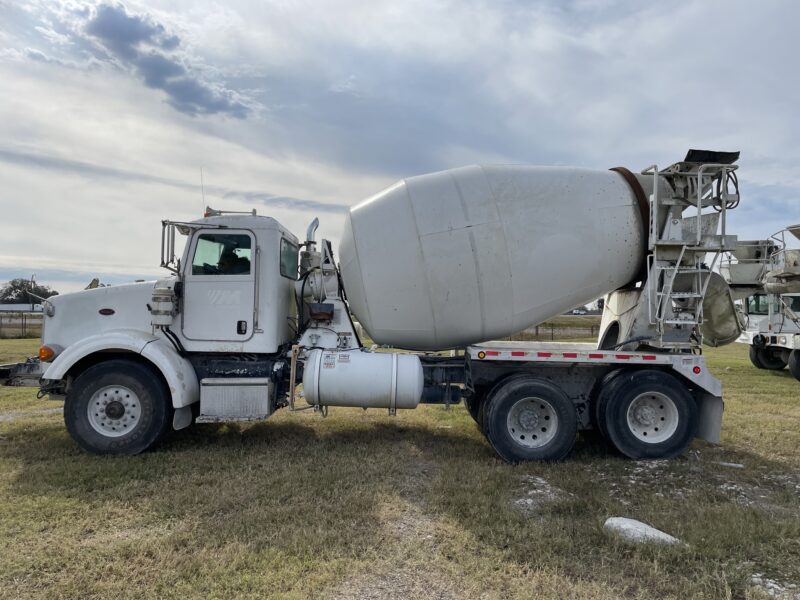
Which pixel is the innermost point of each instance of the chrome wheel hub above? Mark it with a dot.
(652, 417)
(114, 410)
(532, 422)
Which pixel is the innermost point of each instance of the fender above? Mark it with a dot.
(177, 371)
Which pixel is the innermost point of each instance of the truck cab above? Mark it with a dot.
(237, 276)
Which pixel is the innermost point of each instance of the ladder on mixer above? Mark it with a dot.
(671, 309)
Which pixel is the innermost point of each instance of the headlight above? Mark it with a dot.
(783, 340)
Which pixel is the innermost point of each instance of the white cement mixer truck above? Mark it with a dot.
(444, 261)
(765, 276)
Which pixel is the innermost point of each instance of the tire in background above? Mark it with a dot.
(118, 407)
(770, 358)
(794, 364)
(530, 419)
(651, 414)
(755, 358)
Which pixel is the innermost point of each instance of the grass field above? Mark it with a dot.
(361, 505)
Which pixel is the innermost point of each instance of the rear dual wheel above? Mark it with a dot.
(646, 414)
(525, 418)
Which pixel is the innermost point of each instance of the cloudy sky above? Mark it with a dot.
(299, 109)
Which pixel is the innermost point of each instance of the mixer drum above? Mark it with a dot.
(466, 255)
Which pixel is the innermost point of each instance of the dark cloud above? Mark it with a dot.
(286, 202)
(139, 43)
(192, 97)
(123, 33)
(42, 161)
(156, 70)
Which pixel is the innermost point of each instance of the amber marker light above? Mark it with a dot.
(481, 354)
(46, 354)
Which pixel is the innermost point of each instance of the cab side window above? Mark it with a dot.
(289, 253)
(222, 254)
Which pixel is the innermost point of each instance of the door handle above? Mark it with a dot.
(241, 327)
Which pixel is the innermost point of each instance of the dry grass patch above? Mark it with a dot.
(360, 505)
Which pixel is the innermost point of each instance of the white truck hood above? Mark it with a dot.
(82, 314)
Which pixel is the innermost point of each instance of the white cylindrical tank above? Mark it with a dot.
(471, 254)
(363, 379)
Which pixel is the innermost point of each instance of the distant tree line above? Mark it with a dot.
(21, 291)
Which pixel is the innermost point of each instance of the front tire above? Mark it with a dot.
(768, 358)
(530, 419)
(755, 358)
(650, 415)
(117, 407)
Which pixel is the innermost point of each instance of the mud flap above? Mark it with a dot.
(182, 417)
(709, 418)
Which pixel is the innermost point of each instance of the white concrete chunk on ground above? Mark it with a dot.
(636, 531)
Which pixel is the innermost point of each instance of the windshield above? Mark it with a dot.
(793, 302)
(757, 305)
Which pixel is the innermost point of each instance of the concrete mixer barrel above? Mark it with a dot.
(466, 255)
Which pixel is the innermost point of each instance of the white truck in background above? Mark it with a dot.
(765, 276)
(435, 262)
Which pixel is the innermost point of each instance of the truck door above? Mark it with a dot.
(219, 286)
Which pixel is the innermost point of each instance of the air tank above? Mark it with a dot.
(477, 253)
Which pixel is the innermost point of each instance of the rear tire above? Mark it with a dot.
(770, 358)
(794, 364)
(606, 389)
(529, 419)
(650, 414)
(117, 407)
(754, 358)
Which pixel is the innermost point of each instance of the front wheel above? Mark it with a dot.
(117, 407)
(767, 358)
(755, 358)
(530, 419)
(650, 415)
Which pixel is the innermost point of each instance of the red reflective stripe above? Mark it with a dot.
(596, 356)
(492, 353)
(544, 354)
(622, 356)
(648, 357)
(517, 354)
(570, 355)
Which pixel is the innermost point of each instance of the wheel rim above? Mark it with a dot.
(114, 411)
(532, 422)
(652, 417)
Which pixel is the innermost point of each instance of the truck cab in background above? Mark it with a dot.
(764, 276)
(772, 330)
